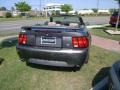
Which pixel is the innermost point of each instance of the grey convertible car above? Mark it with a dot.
(63, 41)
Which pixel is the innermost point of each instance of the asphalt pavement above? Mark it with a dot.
(97, 20)
(14, 26)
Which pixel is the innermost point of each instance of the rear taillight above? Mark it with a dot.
(80, 42)
(22, 39)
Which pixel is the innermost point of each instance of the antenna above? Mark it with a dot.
(40, 5)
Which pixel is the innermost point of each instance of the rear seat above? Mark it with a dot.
(71, 25)
(53, 24)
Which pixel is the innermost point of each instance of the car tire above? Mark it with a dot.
(1, 60)
(21, 59)
(76, 68)
(87, 58)
(27, 63)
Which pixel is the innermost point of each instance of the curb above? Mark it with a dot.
(7, 37)
(97, 26)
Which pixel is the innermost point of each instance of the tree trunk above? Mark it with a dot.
(116, 28)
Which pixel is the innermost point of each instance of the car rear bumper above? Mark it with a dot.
(53, 57)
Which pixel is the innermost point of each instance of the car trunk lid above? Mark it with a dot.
(57, 37)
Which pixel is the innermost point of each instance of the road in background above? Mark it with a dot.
(98, 20)
(14, 26)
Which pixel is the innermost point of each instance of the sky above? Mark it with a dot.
(76, 4)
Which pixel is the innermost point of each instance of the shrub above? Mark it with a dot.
(8, 15)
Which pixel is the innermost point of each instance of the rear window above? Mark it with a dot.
(66, 19)
(69, 19)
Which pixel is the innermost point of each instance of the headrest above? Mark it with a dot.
(51, 24)
(73, 25)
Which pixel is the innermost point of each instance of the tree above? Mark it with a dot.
(118, 14)
(8, 15)
(95, 10)
(22, 6)
(66, 8)
(3, 9)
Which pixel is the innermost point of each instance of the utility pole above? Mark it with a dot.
(97, 6)
(45, 11)
(116, 27)
(40, 6)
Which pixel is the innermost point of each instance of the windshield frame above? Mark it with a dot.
(80, 21)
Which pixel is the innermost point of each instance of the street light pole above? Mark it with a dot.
(40, 7)
(97, 5)
(116, 27)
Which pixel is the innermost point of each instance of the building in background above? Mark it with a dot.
(87, 11)
(2, 13)
(15, 13)
(103, 11)
(73, 12)
(52, 7)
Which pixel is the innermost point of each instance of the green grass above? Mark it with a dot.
(101, 32)
(16, 75)
(4, 34)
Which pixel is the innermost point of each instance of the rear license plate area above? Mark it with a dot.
(48, 40)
